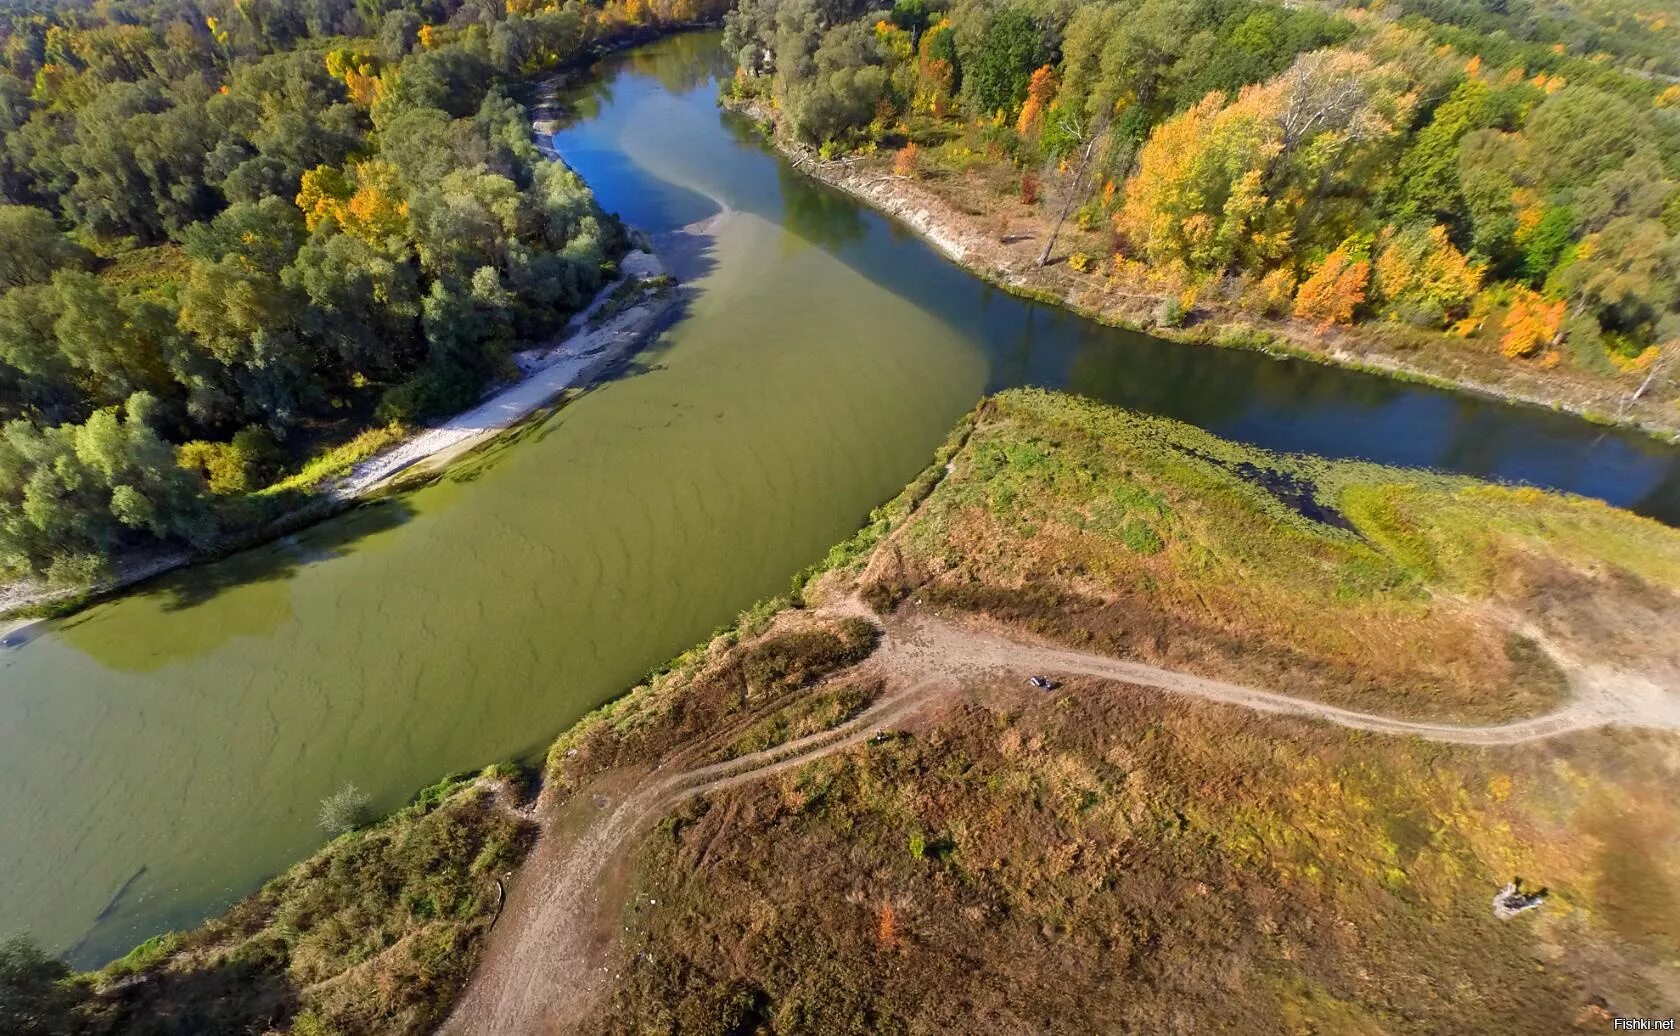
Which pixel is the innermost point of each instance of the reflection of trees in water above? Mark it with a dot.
(684, 62)
(1143, 373)
(743, 131)
(194, 611)
(818, 214)
(568, 104)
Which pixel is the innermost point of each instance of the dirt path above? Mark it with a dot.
(546, 960)
(1601, 697)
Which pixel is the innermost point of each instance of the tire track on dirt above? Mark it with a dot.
(544, 964)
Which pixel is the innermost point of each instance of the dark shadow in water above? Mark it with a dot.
(688, 256)
(285, 557)
(259, 574)
(105, 913)
(21, 636)
(1662, 500)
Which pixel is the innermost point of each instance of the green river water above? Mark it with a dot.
(163, 753)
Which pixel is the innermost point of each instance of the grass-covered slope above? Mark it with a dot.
(376, 933)
(1387, 590)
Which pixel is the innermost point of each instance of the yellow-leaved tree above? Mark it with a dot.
(1420, 277)
(1224, 184)
(1531, 324)
(367, 204)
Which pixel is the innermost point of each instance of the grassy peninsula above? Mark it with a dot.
(1309, 717)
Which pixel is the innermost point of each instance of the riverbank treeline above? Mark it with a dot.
(1496, 191)
(244, 237)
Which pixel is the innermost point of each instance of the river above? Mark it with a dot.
(162, 754)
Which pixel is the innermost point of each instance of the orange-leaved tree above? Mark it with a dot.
(906, 160)
(1335, 290)
(1040, 89)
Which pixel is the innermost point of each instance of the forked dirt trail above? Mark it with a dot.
(547, 958)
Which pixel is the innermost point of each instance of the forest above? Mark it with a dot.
(1507, 173)
(240, 232)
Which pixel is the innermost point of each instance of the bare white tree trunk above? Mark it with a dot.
(1664, 360)
(1077, 189)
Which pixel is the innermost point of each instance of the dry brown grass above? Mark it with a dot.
(1106, 861)
(736, 689)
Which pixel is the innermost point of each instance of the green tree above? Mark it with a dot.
(35, 999)
(34, 247)
(998, 61)
(71, 495)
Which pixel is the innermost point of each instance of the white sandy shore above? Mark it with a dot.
(577, 359)
(548, 371)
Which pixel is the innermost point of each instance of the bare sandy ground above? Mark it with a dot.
(547, 372)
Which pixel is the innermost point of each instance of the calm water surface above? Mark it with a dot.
(162, 754)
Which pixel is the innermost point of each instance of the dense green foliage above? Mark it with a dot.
(1507, 173)
(244, 230)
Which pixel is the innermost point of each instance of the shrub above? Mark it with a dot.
(1079, 262)
(344, 810)
(1171, 312)
(33, 997)
(1530, 324)
(238, 466)
(907, 160)
(1271, 294)
(77, 570)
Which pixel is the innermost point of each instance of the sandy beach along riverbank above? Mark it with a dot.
(596, 339)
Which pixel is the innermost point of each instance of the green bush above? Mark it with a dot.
(238, 466)
(344, 810)
(1171, 313)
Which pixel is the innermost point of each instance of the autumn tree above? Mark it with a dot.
(1041, 89)
(1420, 277)
(905, 160)
(1531, 324)
(1336, 288)
(1234, 184)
